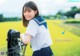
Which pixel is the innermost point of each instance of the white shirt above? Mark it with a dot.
(40, 35)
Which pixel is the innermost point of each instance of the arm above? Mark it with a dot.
(30, 32)
(25, 38)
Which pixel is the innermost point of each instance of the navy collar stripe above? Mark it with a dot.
(40, 21)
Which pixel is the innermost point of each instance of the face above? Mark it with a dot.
(29, 13)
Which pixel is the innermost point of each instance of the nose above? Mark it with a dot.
(26, 14)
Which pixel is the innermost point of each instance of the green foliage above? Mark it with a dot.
(1, 17)
(10, 19)
(72, 26)
(78, 21)
(70, 14)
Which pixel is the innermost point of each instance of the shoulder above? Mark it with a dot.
(40, 21)
(32, 22)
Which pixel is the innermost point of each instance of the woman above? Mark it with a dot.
(37, 33)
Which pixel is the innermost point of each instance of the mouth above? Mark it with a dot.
(27, 16)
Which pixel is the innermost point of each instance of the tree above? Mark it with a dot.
(1, 17)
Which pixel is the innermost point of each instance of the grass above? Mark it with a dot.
(72, 26)
(75, 29)
(67, 44)
(64, 44)
(72, 21)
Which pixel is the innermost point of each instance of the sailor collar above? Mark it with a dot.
(40, 21)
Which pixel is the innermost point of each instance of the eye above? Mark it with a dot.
(27, 11)
(24, 11)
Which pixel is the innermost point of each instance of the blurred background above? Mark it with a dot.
(62, 16)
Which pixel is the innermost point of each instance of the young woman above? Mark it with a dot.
(37, 33)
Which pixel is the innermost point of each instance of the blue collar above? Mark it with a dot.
(40, 21)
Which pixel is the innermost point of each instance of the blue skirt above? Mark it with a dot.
(43, 52)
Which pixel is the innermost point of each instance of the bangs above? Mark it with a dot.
(26, 8)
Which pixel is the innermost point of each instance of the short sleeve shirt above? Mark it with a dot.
(40, 35)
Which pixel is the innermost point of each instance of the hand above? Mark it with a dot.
(25, 38)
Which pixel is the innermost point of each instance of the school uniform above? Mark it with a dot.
(41, 39)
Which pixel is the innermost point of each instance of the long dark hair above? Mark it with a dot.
(32, 6)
